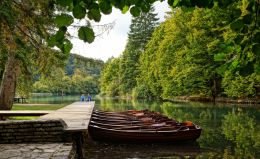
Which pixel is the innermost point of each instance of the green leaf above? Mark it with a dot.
(221, 70)
(67, 46)
(120, 4)
(220, 57)
(175, 3)
(170, 2)
(59, 36)
(235, 63)
(95, 13)
(105, 7)
(135, 11)
(145, 8)
(51, 41)
(63, 20)
(125, 9)
(237, 25)
(79, 12)
(64, 3)
(90, 16)
(86, 34)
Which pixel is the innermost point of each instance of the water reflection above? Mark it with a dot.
(229, 131)
(142, 151)
(239, 128)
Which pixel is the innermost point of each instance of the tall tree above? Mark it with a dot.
(110, 77)
(179, 59)
(148, 85)
(23, 23)
(141, 30)
(23, 26)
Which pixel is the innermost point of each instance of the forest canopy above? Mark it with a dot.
(30, 29)
(199, 52)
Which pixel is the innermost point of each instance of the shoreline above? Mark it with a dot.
(249, 101)
(218, 100)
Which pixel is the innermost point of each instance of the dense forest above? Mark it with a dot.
(225, 33)
(198, 52)
(80, 75)
(76, 75)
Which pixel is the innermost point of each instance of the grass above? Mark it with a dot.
(38, 107)
(34, 107)
(23, 117)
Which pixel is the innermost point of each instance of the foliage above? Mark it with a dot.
(239, 128)
(148, 78)
(110, 77)
(79, 76)
(141, 30)
(89, 66)
(236, 85)
(194, 52)
(179, 59)
(27, 26)
(93, 10)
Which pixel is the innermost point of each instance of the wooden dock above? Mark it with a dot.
(76, 115)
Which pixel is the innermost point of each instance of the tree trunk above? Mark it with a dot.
(9, 80)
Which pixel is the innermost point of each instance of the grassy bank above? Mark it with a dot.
(37, 107)
(34, 107)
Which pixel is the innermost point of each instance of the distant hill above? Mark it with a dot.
(87, 65)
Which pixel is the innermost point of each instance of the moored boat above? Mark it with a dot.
(146, 127)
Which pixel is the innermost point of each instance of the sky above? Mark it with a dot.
(112, 43)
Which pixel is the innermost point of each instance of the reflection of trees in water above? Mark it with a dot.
(121, 105)
(176, 112)
(108, 150)
(238, 127)
(241, 129)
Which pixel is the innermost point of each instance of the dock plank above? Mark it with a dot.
(76, 115)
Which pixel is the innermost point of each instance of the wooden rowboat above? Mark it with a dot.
(127, 127)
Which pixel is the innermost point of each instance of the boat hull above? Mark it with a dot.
(141, 136)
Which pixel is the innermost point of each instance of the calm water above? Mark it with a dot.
(53, 99)
(229, 131)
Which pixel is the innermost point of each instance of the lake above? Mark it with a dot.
(229, 131)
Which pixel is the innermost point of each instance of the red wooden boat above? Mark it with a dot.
(131, 128)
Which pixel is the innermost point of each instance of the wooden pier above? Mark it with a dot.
(68, 124)
(76, 115)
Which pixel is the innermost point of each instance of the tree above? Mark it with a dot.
(193, 42)
(26, 26)
(82, 77)
(148, 81)
(141, 30)
(23, 25)
(240, 128)
(110, 77)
